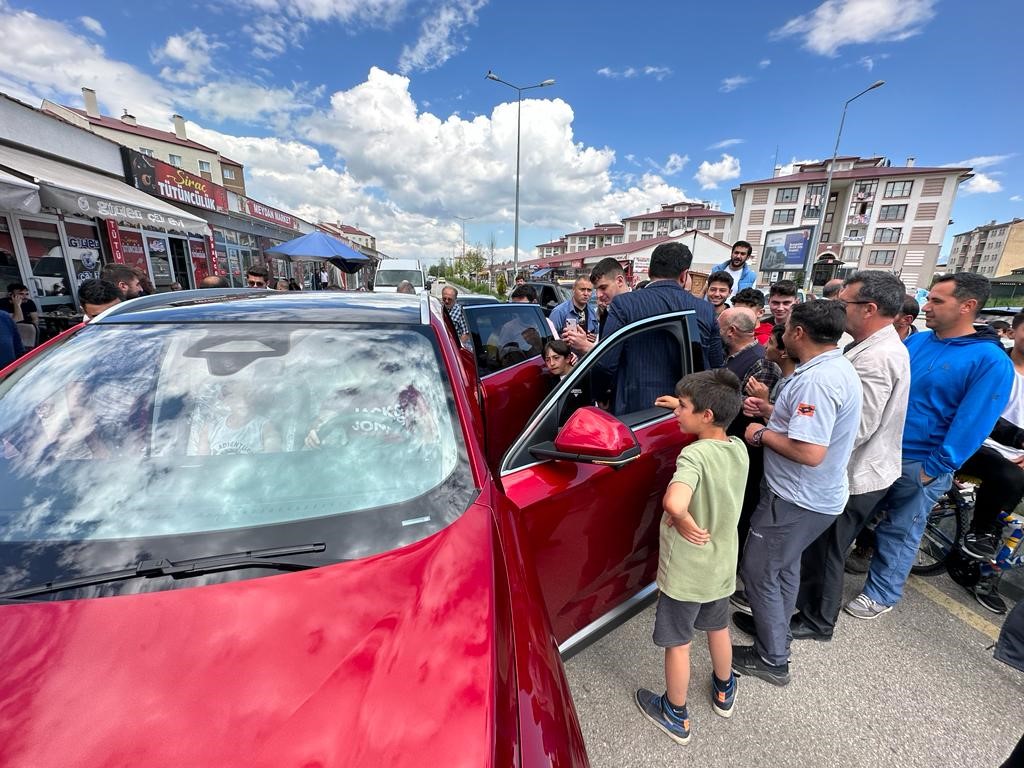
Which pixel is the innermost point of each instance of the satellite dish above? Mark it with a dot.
(677, 233)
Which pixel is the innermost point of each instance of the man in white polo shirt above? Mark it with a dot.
(807, 442)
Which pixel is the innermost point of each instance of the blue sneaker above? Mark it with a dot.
(722, 701)
(656, 709)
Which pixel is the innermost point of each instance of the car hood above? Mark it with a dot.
(386, 661)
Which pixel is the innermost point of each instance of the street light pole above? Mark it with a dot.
(519, 122)
(816, 239)
(464, 219)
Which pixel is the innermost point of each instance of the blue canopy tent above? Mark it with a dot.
(319, 246)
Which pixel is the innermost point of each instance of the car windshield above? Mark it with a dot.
(185, 440)
(390, 278)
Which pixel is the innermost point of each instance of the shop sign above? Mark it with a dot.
(133, 250)
(176, 184)
(114, 235)
(200, 268)
(274, 216)
(642, 263)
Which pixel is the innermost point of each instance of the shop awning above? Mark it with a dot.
(87, 193)
(18, 195)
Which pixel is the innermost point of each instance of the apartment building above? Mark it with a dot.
(877, 216)
(554, 248)
(172, 147)
(672, 217)
(599, 236)
(349, 233)
(993, 250)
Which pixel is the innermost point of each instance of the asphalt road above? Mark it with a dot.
(916, 687)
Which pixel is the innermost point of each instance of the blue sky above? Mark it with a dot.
(377, 112)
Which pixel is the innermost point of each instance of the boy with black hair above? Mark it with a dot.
(698, 549)
(718, 290)
(753, 298)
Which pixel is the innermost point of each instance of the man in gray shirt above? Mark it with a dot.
(807, 442)
(872, 299)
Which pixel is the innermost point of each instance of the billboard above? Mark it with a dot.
(786, 250)
(161, 179)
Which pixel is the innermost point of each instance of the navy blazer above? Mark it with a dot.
(648, 366)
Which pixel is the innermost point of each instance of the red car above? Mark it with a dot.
(244, 528)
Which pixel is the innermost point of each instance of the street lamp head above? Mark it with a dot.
(491, 76)
(552, 82)
(877, 84)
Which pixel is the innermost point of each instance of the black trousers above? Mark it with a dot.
(1002, 487)
(751, 495)
(821, 565)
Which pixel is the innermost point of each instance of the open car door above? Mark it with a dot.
(589, 483)
(508, 343)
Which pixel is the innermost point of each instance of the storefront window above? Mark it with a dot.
(84, 250)
(49, 270)
(8, 264)
(160, 258)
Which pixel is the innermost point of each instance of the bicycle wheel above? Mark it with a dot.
(942, 532)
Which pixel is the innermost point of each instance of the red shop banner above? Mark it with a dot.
(161, 179)
(114, 235)
(215, 265)
(200, 268)
(133, 251)
(274, 216)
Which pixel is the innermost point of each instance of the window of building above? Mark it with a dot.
(703, 223)
(204, 167)
(784, 216)
(175, 160)
(229, 173)
(898, 188)
(888, 234)
(892, 213)
(146, 152)
(648, 226)
(646, 237)
(787, 194)
(881, 258)
(865, 190)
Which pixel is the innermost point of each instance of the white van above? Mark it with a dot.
(391, 272)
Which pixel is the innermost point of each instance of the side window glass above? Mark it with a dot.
(506, 335)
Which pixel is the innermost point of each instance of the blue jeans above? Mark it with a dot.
(897, 537)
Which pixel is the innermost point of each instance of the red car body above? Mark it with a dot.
(444, 651)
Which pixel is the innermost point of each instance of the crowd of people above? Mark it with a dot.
(803, 447)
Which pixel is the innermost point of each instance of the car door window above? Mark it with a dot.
(505, 335)
(624, 375)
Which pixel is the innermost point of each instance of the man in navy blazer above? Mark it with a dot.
(649, 365)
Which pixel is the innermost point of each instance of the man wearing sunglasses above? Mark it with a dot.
(257, 277)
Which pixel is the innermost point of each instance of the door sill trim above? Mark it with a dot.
(609, 621)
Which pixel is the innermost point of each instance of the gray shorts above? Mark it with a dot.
(676, 620)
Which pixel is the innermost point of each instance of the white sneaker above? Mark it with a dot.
(863, 607)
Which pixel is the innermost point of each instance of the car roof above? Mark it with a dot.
(258, 305)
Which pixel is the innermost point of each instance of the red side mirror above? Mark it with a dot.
(592, 436)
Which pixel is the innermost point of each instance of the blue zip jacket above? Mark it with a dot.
(747, 277)
(958, 389)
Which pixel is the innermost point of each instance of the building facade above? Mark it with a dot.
(350, 234)
(679, 216)
(599, 236)
(172, 147)
(554, 248)
(877, 216)
(993, 250)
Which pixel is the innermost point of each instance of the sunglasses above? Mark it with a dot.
(257, 284)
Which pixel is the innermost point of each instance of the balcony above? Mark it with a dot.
(853, 238)
(863, 197)
(856, 219)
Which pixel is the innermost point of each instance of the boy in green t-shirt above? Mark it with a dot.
(699, 548)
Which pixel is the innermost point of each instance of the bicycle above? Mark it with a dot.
(945, 529)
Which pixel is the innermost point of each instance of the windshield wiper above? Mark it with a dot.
(181, 569)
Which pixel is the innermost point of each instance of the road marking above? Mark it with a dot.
(958, 609)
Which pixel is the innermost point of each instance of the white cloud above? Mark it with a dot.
(764, 63)
(710, 175)
(441, 36)
(673, 165)
(92, 25)
(188, 56)
(982, 161)
(868, 62)
(790, 167)
(726, 143)
(249, 102)
(1016, 198)
(836, 23)
(981, 184)
(732, 83)
(371, 12)
(273, 35)
(658, 73)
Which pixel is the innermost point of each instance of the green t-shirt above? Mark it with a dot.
(716, 470)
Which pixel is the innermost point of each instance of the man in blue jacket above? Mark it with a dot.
(648, 365)
(11, 347)
(742, 275)
(960, 381)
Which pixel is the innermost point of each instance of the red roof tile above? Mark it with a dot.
(858, 173)
(552, 244)
(117, 124)
(702, 213)
(603, 229)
